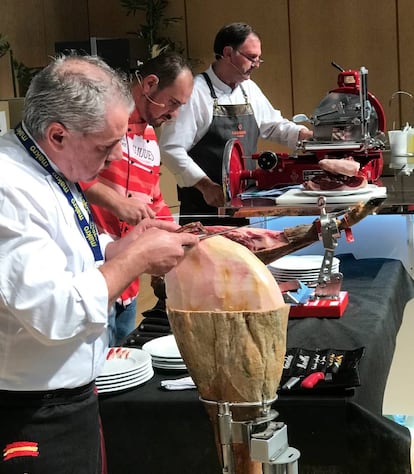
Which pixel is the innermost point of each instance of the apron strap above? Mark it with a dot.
(213, 94)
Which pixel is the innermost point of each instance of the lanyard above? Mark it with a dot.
(87, 227)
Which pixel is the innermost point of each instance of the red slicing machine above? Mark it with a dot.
(349, 121)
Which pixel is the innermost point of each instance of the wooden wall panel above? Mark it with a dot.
(22, 22)
(353, 34)
(33, 26)
(108, 19)
(66, 21)
(270, 21)
(6, 81)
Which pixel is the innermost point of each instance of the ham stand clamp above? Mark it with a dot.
(327, 300)
(267, 439)
(329, 284)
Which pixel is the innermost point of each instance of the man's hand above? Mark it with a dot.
(132, 211)
(305, 134)
(118, 246)
(151, 247)
(128, 209)
(212, 192)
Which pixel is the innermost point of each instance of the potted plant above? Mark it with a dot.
(155, 22)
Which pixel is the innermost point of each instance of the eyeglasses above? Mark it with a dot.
(254, 61)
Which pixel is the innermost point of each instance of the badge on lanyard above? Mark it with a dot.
(87, 226)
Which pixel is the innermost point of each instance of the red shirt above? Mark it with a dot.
(136, 175)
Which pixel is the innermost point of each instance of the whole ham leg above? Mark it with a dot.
(299, 237)
(269, 245)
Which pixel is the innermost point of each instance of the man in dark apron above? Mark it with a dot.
(225, 104)
(208, 154)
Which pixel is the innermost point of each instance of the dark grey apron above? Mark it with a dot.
(229, 121)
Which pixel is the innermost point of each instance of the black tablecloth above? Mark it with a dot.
(378, 291)
(152, 431)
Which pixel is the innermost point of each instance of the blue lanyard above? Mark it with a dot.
(87, 227)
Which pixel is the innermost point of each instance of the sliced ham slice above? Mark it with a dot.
(341, 174)
(330, 182)
(344, 166)
(254, 239)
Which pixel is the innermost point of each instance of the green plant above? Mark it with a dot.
(24, 75)
(21, 72)
(4, 45)
(155, 22)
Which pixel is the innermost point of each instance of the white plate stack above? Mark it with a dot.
(164, 353)
(124, 368)
(304, 268)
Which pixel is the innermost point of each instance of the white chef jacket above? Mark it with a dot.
(194, 118)
(53, 298)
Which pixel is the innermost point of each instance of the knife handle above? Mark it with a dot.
(311, 380)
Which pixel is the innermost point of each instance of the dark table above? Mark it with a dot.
(152, 431)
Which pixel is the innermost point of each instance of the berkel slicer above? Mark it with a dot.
(348, 122)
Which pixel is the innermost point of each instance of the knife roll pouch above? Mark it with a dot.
(339, 366)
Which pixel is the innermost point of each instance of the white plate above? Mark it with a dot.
(158, 365)
(276, 271)
(129, 384)
(164, 346)
(122, 360)
(167, 360)
(367, 189)
(124, 376)
(132, 378)
(299, 277)
(300, 262)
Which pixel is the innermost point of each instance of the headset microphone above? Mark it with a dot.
(150, 99)
(240, 71)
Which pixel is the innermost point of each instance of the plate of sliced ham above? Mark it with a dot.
(340, 192)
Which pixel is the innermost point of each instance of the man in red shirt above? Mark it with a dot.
(129, 190)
